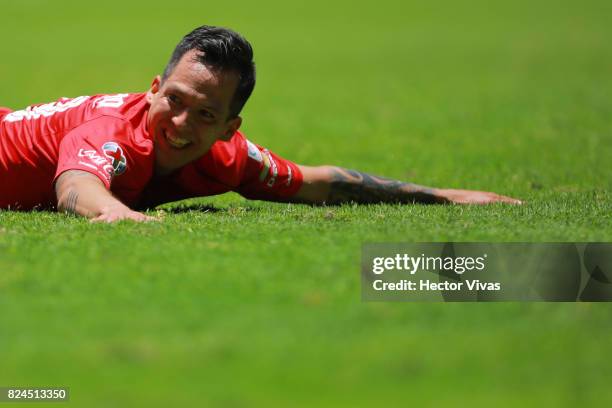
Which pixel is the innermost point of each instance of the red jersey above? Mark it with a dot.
(106, 135)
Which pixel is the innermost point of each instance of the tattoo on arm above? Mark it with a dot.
(354, 186)
(71, 202)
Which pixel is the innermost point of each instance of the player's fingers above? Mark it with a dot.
(148, 218)
(100, 218)
(510, 200)
(111, 218)
(140, 217)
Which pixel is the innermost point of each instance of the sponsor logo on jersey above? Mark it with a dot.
(254, 152)
(113, 151)
(98, 161)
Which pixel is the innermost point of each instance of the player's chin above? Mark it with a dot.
(169, 159)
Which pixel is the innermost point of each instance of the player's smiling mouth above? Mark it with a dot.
(176, 142)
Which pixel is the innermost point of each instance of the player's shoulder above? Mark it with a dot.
(115, 120)
(123, 106)
(118, 115)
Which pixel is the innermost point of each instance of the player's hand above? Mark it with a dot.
(453, 196)
(120, 213)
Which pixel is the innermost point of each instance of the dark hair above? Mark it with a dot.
(224, 50)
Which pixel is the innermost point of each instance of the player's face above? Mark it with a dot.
(189, 112)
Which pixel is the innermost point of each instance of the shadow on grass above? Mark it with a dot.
(204, 208)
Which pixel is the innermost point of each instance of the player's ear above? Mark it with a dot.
(232, 126)
(155, 85)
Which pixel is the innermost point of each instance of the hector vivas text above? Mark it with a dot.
(414, 264)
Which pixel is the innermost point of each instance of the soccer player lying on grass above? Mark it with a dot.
(104, 156)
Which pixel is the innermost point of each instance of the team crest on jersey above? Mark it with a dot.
(113, 151)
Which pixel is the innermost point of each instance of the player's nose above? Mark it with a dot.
(181, 120)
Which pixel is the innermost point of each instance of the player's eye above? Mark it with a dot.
(206, 114)
(173, 99)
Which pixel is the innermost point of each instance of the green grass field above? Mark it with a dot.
(259, 304)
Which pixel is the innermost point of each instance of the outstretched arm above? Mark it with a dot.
(82, 193)
(335, 185)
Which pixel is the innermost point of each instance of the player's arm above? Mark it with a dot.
(336, 185)
(82, 193)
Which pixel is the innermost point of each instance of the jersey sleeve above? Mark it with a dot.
(95, 147)
(267, 176)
